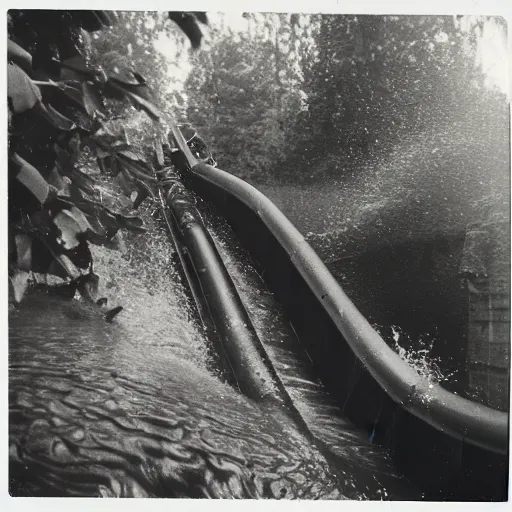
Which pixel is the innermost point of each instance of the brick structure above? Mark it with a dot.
(485, 268)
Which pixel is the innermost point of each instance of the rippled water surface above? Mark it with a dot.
(136, 407)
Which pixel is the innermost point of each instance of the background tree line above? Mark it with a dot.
(293, 96)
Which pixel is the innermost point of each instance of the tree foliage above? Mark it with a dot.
(377, 79)
(61, 97)
(291, 92)
(243, 94)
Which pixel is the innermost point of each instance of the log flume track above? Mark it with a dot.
(441, 441)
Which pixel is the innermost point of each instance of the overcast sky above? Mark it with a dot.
(493, 57)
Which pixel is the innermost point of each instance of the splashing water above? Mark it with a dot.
(136, 407)
(418, 355)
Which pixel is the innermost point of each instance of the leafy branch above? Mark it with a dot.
(57, 108)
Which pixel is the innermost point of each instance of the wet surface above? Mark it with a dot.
(96, 413)
(136, 408)
(139, 408)
(366, 469)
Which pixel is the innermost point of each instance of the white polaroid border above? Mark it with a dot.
(7, 503)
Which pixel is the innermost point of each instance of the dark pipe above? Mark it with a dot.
(220, 304)
(438, 438)
(248, 362)
(187, 267)
(473, 422)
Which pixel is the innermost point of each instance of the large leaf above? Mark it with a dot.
(77, 61)
(73, 225)
(68, 95)
(109, 315)
(136, 93)
(93, 102)
(22, 92)
(88, 287)
(188, 23)
(61, 232)
(62, 266)
(81, 256)
(80, 71)
(19, 284)
(57, 119)
(73, 90)
(56, 180)
(29, 177)
(85, 95)
(19, 56)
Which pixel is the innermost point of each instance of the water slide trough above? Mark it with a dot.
(451, 447)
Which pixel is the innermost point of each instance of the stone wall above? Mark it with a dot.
(486, 269)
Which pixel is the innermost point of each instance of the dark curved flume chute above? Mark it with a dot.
(437, 438)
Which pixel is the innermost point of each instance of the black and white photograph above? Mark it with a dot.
(258, 254)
